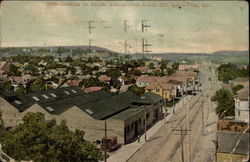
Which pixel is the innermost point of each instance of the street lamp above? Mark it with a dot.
(145, 116)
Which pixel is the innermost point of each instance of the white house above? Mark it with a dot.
(242, 106)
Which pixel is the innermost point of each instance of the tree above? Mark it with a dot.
(163, 66)
(243, 72)
(158, 73)
(136, 90)
(37, 85)
(14, 70)
(32, 69)
(38, 139)
(69, 59)
(237, 88)
(170, 71)
(20, 89)
(225, 102)
(151, 66)
(114, 73)
(7, 86)
(227, 72)
(175, 66)
(91, 82)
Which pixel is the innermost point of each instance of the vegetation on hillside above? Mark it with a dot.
(227, 72)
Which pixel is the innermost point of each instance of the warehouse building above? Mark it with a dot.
(124, 113)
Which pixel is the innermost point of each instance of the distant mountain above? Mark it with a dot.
(96, 48)
(232, 53)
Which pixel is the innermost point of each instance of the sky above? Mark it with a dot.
(190, 27)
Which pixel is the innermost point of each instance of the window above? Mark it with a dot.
(238, 113)
(50, 109)
(147, 116)
(45, 96)
(157, 90)
(35, 98)
(89, 111)
(66, 92)
(18, 102)
(53, 95)
(73, 91)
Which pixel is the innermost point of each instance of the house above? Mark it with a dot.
(143, 81)
(232, 146)
(124, 88)
(98, 64)
(190, 79)
(4, 67)
(164, 90)
(86, 111)
(187, 66)
(71, 83)
(141, 111)
(104, 78)
(242, 105)
(143, 69)
(123, 80)
(92, 89)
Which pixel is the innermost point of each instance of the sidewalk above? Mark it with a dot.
(127, 151)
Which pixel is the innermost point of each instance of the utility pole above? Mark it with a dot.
(189, 136)
(90, 27)
(182, 149)
(182, 140)
(145, 127)
(202, 116)
(145, 46)
(105, 143)
(165, 110)
(145, 116)
(90, 41)
(125, 25)
(144, 25)
(173, 106)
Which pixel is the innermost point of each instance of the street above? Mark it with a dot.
(166, 144)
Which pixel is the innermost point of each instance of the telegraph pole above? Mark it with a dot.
(145, 124)
(189, 136)
(202, 116)
(145, 45)
(144, 25)
(90, 27)
(182, 140)
(182, 149)
(105, 143)
(125, 25)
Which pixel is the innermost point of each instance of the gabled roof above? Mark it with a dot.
(59, 99)
(165, 86)
(149, 79)
(104, 78)
(109, 106)
(72, 82)
(150, 98)
(92, 89)
(227, 140)
(63, 105)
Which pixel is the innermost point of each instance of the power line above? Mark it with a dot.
(144, 25)
(182, 131)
